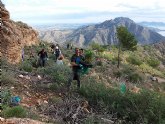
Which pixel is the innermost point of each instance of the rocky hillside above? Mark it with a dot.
(105, 33)
(56, 36)
(14, 36)
(161, 47)
(101, 99)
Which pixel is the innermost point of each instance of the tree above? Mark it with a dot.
(126, 40)
(98, 47)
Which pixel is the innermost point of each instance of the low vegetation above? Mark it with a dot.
(100, 87)
(144, 107)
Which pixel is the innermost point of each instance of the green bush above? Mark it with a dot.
(108, 56)
(135, 77)
(26, 66)
(59, 74)
(5, 97)
(135, 60)
(7, 77)
(117, 73)
(89, 56)
(153, 62)
(130, 73)
(144, 107)
(16, 111)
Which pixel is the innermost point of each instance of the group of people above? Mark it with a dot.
(56, 51)
(69, 46)
(76, 61)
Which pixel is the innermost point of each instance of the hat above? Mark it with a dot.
(56, 47)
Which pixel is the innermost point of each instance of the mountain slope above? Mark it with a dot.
(105, 33)
(56, 36)
(14, 36)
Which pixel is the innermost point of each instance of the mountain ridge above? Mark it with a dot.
(105, 33)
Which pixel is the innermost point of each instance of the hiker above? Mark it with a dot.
(67, 46)
(75, 60)
(57, 53)
(71, 46)
(52, 48)
(43, 56)
(81, 51)
(60, 60)
(22, 56)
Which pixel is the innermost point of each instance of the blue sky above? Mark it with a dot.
(84, 11)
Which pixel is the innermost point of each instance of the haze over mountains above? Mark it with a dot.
(103, 33)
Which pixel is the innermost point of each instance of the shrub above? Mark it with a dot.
(153, 62)
(117, 73)
(98, 47)
(16, 111)
(145, 107)
(89, 56)
(26, 66)
(59, 74)
(134, 60)
(108, 56)
(148, 69)
(5, 97)
(7, 77)
(135, 77)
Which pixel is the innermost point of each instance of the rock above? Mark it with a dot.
(39, 101)
(11, 88)
(27, 77)
(46, 102)
(39, 77)
(135, 89)
(20, 76)
(14, 36)
(2, 119)
(26, 86)
(28, 94)
(25, 105)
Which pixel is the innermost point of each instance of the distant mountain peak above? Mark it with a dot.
(119, 19)
(105, 33)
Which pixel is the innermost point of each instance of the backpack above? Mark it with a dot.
(57, 52)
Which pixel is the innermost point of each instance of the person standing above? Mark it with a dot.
(22, 55)
(81, 51)
(43, 56)
(67, 46)
(75, 63)
(60, 60)
(71, 46)
(57, 53)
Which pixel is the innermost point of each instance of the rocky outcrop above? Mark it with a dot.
(161, 47)
(56, 36)
(14, 36)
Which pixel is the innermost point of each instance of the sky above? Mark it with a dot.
(84, 11)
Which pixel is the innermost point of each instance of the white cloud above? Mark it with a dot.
(30, 10)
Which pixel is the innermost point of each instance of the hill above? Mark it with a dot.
(105, 33)
(101, 98)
